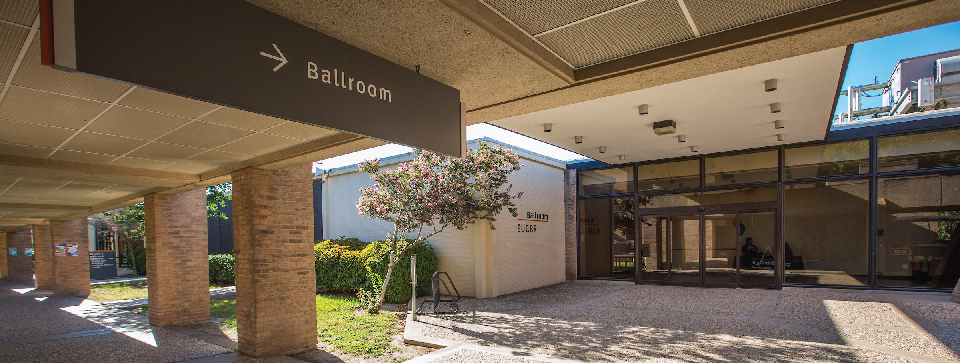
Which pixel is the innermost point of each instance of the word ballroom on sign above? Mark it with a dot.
(531, 217)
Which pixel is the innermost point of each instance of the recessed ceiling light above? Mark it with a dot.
(775, 107)
(770, 85)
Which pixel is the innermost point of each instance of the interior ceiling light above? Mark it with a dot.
(781, 137)
(778, 124)
(695, 148)
(770, 85)
(665, 127)
(603, 149)
(775, 107)
(623, 157)
(547, 127)
(578, 139)
(681, 138)
(644, 109)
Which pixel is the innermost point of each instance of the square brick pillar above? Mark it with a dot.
(3, 256)
(71, 274)
(956, 293)
(43, 257)
(570, 223)
(20, 266)
(178, 270)
(273, 245)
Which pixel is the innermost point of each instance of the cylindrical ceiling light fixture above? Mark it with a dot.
(578, 139)
(547, 127)
(775, 107)
(644, 109)
(603, 149)
(695, 148)
(623, 157)
(770, 85)
(681, 138)
(781, 137)
(778, 124)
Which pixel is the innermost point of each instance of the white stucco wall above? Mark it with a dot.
(513, 261)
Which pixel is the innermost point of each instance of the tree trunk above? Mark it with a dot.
(386, 281)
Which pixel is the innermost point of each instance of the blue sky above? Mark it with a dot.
(873, 58)
(878, 57)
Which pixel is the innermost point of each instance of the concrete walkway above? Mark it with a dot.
(622, 322)
(37, 326)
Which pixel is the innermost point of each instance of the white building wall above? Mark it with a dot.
(504, 259)
(524, 260)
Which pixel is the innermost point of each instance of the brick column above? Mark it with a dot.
(3, 256)
(273, 244)
(20, 267)
(570, 222)
(956, 293)
(71, 274)
(43, 257)
(178, 270)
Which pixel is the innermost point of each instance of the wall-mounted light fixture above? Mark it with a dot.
(622, 157)
(770, 85)
(781, 137)
(695, 148)
(644, 109)
(778, 124)
(665, 127)
(578, 139)
(603, 149)
(547, 127)
(681, 138)
(775, 107)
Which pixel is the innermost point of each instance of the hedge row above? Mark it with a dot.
(221, 269)
(351, 265)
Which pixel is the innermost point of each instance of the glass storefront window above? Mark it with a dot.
(607, 242)
(918, 221)
(826, 233)
(743, 168)
(919, 151)
(827, 160)
(606, 181)
(676, 175)
(747, 195)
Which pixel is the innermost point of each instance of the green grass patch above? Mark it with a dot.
(340, 322)
(118, 291)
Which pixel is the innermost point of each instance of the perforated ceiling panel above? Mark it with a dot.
(638, 28)
(713, 16)
(539, 16)
(22, 12)
(11, 38)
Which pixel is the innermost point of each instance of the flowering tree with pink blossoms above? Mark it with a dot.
(424, 196)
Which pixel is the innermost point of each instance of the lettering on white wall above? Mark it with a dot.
(526, 226)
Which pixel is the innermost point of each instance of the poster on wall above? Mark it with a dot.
(60, 249)
(73, 250)
(28, 252)
(13, 251)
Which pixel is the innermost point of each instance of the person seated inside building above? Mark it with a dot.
(749, 253)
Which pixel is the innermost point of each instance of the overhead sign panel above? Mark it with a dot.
(239, 55)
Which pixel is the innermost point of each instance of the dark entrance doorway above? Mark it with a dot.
(720, 246)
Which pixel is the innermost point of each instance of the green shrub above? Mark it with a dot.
(221, 269)
(140, 256)
(398, 290)
(339, 264)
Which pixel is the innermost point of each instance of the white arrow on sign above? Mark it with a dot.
(281, 58)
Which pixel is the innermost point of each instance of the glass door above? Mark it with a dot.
(740, 248)
(670, 247)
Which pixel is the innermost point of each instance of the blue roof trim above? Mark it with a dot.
(589, 164)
